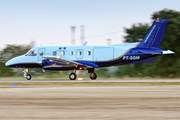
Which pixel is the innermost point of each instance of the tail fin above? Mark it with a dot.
(154, 35)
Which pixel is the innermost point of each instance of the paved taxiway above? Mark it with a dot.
(91, 103)
(98, 80)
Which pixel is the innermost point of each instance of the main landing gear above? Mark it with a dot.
(93, 76)
(72, 75)
(27, 76)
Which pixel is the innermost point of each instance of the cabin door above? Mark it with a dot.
(41, 53)
(103, 53)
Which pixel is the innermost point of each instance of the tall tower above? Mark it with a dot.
(108, 41)
(82, 34)
(73, 35)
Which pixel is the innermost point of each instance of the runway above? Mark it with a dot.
(98, 80)
(91, 103)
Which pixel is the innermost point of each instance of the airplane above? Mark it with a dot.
(90, 57)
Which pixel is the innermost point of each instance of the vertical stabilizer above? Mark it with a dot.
(154, 35)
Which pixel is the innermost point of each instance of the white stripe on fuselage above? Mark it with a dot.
(149, 34)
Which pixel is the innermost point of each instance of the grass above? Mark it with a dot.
(87, 83)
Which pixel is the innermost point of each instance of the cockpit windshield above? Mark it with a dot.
(31, 53)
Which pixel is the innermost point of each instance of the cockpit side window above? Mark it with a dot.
(28, 52)
(31, 53)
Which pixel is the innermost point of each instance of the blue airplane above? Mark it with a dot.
(90, 57)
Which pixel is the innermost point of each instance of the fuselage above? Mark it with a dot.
(95, 56)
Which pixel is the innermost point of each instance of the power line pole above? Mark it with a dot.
(82, 34)
(73, 35)
(108, 41)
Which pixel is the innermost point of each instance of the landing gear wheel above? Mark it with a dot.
(72, 76)
(93, 76)
(28, 77)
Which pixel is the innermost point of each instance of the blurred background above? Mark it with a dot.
(30, 23)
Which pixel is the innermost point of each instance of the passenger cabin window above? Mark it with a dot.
(41, 53)
(88, 52)
(31, 53)
(54, 53)
(62, 53)
(70, 53)
(79, 53)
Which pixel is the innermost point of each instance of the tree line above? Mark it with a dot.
(165, 65)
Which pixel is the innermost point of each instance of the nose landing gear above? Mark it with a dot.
(27, 76)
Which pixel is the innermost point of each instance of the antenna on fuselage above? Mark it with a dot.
(85, 43)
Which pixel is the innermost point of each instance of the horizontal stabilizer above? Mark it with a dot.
(151, 52)
(168, 52)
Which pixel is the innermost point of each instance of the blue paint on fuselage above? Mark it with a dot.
(25, 65)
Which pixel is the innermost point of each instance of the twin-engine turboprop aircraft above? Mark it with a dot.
(90, 57)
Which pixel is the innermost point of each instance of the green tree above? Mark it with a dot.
(136, 32)
(5, 71)
(6, 54)
(12, 51)
(170, 65)
(165, 65)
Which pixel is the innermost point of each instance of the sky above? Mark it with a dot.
(48, 22)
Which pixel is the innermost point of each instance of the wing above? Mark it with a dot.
(68, 62)
(63, 61)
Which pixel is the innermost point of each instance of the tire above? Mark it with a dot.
(72, 76)
(28, 77)
(93, 76)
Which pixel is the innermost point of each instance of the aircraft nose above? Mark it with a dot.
(8, 63)
(13, 61)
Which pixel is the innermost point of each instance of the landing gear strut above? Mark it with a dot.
(27, 76)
